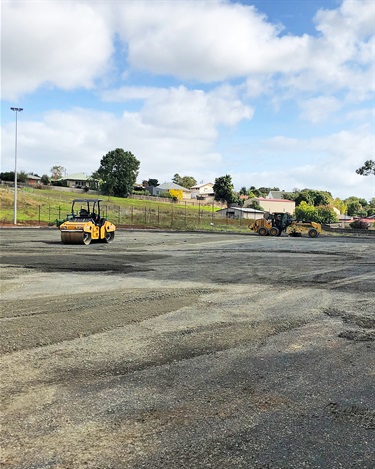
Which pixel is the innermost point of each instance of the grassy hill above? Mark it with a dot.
(44, 206)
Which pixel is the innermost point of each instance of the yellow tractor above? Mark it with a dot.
(274, 224)
(85, 224)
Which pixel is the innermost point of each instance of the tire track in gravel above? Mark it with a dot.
(58, 320)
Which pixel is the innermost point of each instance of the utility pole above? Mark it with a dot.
(16, 110)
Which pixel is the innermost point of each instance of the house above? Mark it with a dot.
(76, 180)
(33, 180)
(273, 205)
(202, 191)
(275, 194)
(240, 212)
(166, 187)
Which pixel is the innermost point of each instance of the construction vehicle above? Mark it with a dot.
(274, 224)
(85, 223)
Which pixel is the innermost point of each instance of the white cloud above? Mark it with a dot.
(319, 109)
(206, 41)
(63, 44)
(70, 44)
(175, 130)
(332, 161)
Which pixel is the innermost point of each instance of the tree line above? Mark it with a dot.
(119, 169)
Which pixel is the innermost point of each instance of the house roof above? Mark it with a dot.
(273, 200)
(166, 186)
(31, 176)
(275, 194)
(198, 186)
(76, 177)
(241, 209)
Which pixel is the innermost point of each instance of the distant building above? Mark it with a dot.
(33, 180)
(273, 205)
(275, 195)
(240, 212)
(166, 187)
(203, 191)
(76, 180)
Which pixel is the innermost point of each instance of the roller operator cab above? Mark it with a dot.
(86, 223)
(274, 224)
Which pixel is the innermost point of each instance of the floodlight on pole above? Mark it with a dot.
(16, 110)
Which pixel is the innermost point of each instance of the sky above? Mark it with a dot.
(275, 93)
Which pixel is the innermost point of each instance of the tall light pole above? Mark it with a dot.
(16, 110)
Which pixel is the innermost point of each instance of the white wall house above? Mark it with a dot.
(273, 205)
(239, 212)
(202, 191)
(76, 180)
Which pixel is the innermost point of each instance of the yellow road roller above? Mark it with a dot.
(85, 223)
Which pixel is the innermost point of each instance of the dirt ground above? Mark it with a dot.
(187, 350)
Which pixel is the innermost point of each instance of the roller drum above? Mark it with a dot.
(75, 237)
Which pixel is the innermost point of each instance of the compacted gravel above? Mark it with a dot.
(187, 350)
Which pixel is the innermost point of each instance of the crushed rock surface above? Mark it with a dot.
(187, 350)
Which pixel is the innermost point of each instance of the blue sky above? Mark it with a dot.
(274, 93)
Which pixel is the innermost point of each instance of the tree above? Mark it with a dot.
(367, 168)
(371, 207)
(306, 212)
(57, 172)
(326, 214)
(176, 194)
(354, 207)
(118, 171)
(185, 181)
(255, 205)
(152, 182)
(44, 179)
(313, 197)
(340, 205)
(224, 190)
(9, 176)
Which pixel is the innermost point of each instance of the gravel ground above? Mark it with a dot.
(187, 350)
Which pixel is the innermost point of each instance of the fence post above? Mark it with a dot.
(158, 215)
(185, 215)
(131, 215)
(49, 213)
(119, 214)
(39, 214)
(145, 215)
(199, 213)
(59, 212)
(172, 216)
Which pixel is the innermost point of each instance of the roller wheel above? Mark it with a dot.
(109, 236)
(86, 238)
(274, 231)
(262, 231)
(75, 237)
(313, 233)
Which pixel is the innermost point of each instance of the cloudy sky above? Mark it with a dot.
(272, 92)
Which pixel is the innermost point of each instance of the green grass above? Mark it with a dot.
(47, 205)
